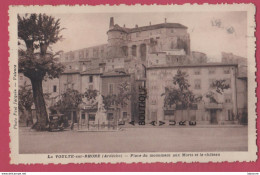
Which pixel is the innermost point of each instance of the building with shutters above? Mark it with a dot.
(148, 57)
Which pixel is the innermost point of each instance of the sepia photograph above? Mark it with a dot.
(141, 82)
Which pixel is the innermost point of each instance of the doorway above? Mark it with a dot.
(213, 116)
(75, 117)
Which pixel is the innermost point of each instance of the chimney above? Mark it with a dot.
(136, 26)
(150, 23)
(124, 25)
(111, 24)
(165, 20)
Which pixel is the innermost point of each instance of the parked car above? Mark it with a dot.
(57, 122)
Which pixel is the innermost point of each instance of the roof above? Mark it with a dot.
(116, 27)
(90, 47)
(192, 65)
(157, 26)
(145, 28)
(71, 72)
(115, 73)
(91, 72)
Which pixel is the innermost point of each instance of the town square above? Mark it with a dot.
(153, 86)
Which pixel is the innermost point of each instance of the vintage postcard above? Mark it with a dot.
(139, 83)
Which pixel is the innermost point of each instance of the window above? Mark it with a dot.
(86, 55)
(211, 83)
(230, 116)
(69, 78)
(125, 50)
(172, 31)
(228, 82)
(124, 114)
(81, 53)
(228, 98)
(212, 70)
(54, 88)
(226, 70)
(91, 117)
(197, 84)
(91, 79)
(95, 52)
(134, 50)
(90, 87)
(70, 67)
(110, 116)
(197, 71)
(83, 116)
(172, 45)
(143, 51)
(65, 87)
(110, 88)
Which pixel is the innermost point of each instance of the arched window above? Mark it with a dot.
(172, 45)
(134, 50)
(125, 51)
(143, 52)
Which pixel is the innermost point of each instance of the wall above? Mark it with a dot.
(72, 81)
(96, 84)
(241, 94)
(158, 79)
(116, 80)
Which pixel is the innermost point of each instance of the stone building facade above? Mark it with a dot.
(148, 57)
(200, 78)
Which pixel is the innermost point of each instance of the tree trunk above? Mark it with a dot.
(29, 117)
(39, 102)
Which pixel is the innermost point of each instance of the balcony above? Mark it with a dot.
(214, 106)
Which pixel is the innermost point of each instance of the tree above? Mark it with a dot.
(91, 95)
(219, 86)
(69, 100)
(119, 100)
(26, 101)
(39, 32)
(180, 95)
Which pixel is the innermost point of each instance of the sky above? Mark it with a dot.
(90, 29)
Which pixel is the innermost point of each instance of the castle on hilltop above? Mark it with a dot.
(148, 57)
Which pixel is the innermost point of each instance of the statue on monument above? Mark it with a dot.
(101, 117)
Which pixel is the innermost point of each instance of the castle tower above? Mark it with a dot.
(116, 40)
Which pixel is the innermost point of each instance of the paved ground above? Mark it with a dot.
(135, 140)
